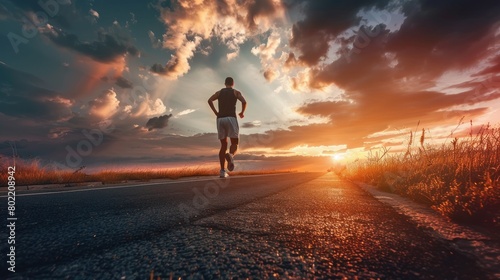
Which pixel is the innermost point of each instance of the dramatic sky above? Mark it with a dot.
(99, 83)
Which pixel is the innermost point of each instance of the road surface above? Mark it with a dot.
(306, 225)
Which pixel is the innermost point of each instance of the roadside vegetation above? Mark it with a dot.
(460, 179)
(32, 172)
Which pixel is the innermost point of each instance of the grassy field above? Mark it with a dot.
(460, 179)
(31, 172)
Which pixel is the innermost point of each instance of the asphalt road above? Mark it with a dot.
(307, 225)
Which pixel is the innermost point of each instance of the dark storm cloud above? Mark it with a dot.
(434, 38)
(123, 83)
(58, 12)
(23, 95)
(158, 122)
(159, 69)
(107, 48)
(438, 36)
(429, 42)
(323, 21)
(259, 8)
(362, 70)
(23, 80)
(37, 109)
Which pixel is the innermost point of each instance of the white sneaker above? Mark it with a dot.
(230, 162)
(223, 174)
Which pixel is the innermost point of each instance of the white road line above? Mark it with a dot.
(139, 185)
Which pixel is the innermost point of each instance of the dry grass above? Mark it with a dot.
(31, 172)
(460, 179)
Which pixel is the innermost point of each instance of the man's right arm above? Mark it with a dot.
(211, 100)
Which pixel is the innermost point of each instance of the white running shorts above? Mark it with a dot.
(227, 127)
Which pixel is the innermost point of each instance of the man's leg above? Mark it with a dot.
(222, 153)
(234, 146)
(232, 151)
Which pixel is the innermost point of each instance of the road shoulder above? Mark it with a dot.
(482, 244)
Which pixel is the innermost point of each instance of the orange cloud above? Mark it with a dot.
(231, 21)
(105, 105)
(266, 53)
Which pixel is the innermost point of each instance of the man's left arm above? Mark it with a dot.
(240, 97)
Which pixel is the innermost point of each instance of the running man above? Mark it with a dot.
(227, 124)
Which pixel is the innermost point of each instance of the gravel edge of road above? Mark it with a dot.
(483, 247)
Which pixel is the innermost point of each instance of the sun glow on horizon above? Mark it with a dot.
(337, 157)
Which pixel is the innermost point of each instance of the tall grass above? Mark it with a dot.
(32, 172)
(460, 179)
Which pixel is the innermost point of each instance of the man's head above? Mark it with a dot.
(229, 82)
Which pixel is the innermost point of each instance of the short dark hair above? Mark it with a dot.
(229, 81)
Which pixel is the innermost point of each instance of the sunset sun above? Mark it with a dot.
(337, 157)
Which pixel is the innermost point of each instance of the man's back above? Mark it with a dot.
(227, 103)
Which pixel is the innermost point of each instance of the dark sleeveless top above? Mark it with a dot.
(227, 103)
